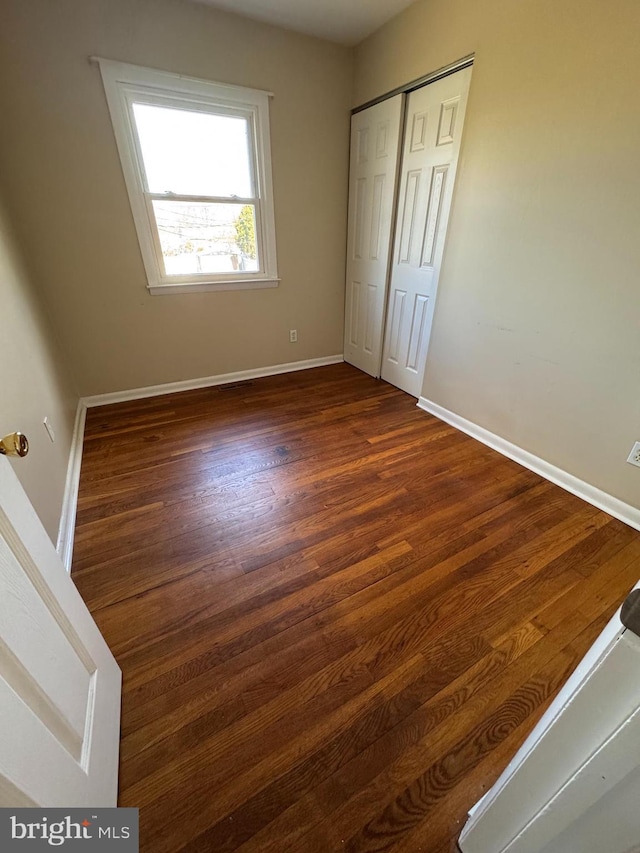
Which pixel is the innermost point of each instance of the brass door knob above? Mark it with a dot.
(14, 444)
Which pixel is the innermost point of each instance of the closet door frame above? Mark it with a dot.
(389, 237)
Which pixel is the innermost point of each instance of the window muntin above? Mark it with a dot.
(196, 159)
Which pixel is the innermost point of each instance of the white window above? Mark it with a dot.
(197, 165)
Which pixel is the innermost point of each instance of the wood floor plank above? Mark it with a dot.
(337, 617)
(453, 716)
(444, 822)
(367, 611)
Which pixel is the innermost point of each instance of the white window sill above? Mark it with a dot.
(193, 287)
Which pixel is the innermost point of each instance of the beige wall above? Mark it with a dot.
(35, 385)
(537, 327)
(67, 196)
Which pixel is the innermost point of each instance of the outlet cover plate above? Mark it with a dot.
(634, 457)
(49, 429)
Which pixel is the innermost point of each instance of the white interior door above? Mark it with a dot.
(59, 683)
(433, 129)
(574, 786)
(375, 134)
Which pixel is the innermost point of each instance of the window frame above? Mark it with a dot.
(125, 85)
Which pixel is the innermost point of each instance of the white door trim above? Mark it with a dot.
(66, 529)
(419, 82)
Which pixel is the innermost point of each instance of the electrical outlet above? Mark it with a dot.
(293, 336)
(49, 429)
(634, 456)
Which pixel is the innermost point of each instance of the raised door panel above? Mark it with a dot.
(417, 332)
(395, 327)
(354, 313)
(370, 318)
(438, 185)
(42, 658)
(410, 213)
(376, 237)
(359, 218)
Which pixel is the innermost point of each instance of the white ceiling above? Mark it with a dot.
(344, 21)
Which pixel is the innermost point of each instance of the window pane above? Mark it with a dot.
(194, 153)
(206, 237)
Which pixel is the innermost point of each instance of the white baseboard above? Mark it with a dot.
(207, 381)
(66, 530)
(602, 500)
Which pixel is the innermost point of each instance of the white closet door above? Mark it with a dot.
(375, 136)
(435, 115)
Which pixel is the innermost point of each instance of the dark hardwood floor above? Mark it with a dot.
(337, 617)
